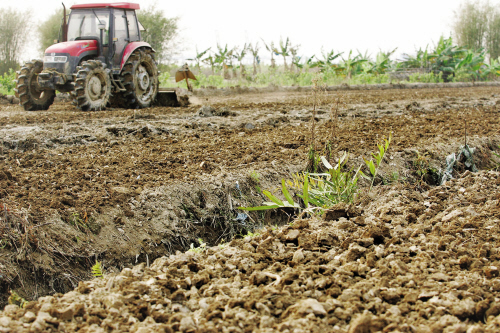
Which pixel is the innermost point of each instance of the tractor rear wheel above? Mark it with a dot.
(31, 97)
(140, 78)
(92, 86)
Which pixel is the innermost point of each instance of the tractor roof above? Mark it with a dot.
(122, 5)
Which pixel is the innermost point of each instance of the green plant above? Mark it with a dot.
(255, 176)
(15, 299)
(97, 269)
(421, 165)
(324, 190)
(496, 163)
(275, 202)
(199, 249)
(374, 166)
(76, 221)
(332, 187)
(251, 234)
(7, 82)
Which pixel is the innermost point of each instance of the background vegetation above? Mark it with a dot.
(471, 55)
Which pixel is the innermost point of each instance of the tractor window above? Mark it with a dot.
(132, 26)
(85, 23)
(121, 34)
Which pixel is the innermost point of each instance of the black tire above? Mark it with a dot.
(140, 78)
(27, 89)
(92, 86)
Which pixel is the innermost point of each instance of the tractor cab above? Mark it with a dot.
(112, 26)
(95, 31)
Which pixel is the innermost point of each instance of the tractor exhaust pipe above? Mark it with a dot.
(64, 26)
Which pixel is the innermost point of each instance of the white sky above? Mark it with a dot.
(332, 24)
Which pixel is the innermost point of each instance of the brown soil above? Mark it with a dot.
(130, 186)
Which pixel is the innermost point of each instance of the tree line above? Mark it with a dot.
(476, 29)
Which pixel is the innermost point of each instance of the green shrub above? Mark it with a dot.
(7, 82)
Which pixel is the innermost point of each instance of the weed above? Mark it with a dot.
(199, 249)
(255, 176)
(251, 234)
(330, 188)
(421, 165)
(7, 82)
(15, 299)
(275, 202)
(323, 190)
(379, 157)
(97, 269)
(496, 163)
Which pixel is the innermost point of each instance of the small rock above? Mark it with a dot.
(292, 235)
(298, 256)
(426, 295)
(440, 277)
(309, 305)
(451, 215)
(249, 126)
(206, 111)
(491, 271)
(187, 324)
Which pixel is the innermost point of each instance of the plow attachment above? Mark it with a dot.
(172, 97)
(176, 96)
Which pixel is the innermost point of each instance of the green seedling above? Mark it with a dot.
(97, 269)
(374, 164)
(199, 249)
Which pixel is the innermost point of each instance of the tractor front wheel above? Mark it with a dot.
(92, 86)
(31, 97)
(140, 78)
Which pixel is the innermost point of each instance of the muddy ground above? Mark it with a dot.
(130, 186)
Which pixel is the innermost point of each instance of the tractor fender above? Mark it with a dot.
(131, 47)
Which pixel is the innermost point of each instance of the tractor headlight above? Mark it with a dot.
(55, 59)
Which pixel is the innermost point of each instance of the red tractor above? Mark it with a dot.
(101, 60)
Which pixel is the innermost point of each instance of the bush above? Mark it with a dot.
(7, 82)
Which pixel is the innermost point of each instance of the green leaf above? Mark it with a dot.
(287, 195)
(250, 209)
(305, 190)
(315, 202)
(273, 198)
(372, 168)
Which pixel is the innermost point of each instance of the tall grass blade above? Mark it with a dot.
(273, 198)
(287, 195)
(250, 209)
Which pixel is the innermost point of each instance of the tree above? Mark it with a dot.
(294, 50)
(471, 24)
(240, 55)
(198, 58)
(493, 35)
(284, 51)
(49, 29)
(477, 26)
(255, 54)
(14, 35)
(161, 32)
(270, 47)
(222, 57)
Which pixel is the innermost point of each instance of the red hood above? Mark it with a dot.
(74, 48)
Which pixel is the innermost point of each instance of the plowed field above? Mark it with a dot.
(126, 187)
